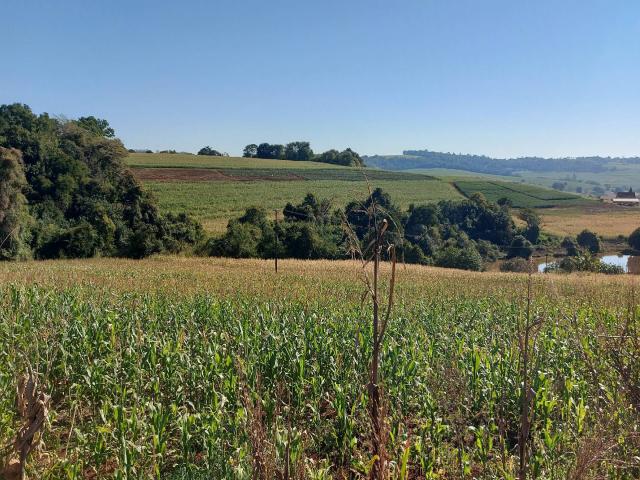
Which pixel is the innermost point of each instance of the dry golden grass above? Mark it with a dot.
(304, 280)
(606, 220)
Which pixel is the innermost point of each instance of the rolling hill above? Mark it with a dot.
(216, 189)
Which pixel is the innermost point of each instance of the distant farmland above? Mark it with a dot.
(216, 189)
(521, 195)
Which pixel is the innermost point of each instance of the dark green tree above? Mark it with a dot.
(570, 245)
(81, 197)
(300, 151)
(210, 152)
(589, 241)
(520, 247)
(634, 239)
(14, 214)
(270, 151)
(250, 151)
(532, 231)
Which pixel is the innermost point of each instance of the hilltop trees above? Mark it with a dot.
(298, 151)
(301, 151)
(250, 151)
(72, 196)
(347, 158)
(211, 152)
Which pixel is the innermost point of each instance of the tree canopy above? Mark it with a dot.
(211, 152)
(462, 234)
(69, 194)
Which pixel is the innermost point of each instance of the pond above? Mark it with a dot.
(630, 263)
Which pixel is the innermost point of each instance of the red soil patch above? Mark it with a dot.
(202, 175)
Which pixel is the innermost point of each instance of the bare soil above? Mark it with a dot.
(203, 175)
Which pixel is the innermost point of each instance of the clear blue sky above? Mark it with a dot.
(503, 78)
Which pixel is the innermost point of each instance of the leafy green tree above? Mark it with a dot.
(269, 151)
(589, 241)
(520, 247)
(14, 214)
(97, 126)
(300, 151)
(81, 197)
(250, 151)
(347, 158)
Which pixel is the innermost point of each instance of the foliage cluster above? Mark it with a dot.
(301, 151)
(66, 193)
(583, 261)
(211, 152)
(454, 234)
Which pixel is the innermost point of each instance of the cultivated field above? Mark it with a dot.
(216, 189)
(209, 368)
(520, 194)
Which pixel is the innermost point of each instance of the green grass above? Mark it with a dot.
(522, 195)
(199, 376)
(203, 161)
(214, 203)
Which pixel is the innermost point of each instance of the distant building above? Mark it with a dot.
(626, 198)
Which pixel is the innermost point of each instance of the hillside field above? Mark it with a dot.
(216, 189)
(193, 368)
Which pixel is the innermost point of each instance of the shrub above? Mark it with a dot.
(634, 239)
(570, 245)
(461, 258)
(589, 241)
(520, 247)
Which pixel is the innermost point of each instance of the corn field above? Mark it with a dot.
(205, 384)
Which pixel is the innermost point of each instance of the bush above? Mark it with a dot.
(589, 241)
(520, 247)
(461, 258)
(634, 239)
(570, 245)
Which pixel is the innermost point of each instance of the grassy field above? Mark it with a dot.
(214, 203)
(606, 220)
(216, 189)
(198, 368)
(522, 195)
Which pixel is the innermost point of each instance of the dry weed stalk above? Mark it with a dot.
(33, 406)
(372, 254)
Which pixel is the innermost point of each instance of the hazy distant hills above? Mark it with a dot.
(425, 159)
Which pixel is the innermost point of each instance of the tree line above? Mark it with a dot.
(301, 151)
(455, 234)
(66, 193)
(412, 159)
